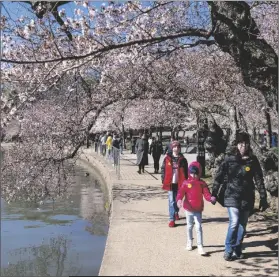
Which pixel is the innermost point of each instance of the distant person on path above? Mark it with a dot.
(150, 140)
(168, 148)
(156, 150)
(274, 140)
(187, 142)
(142, 148)
(96, 142)
(241, 169)
(121, 144)
(133, 143)
(109, 146)
(173, 172)
(193, 190)
(115, 149)
(103, 144)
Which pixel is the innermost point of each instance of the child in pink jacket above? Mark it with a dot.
(193, 190)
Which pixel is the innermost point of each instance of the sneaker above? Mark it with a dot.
(238, 256)
(176, 216)
(171, 224)
(228, 256)
(189, 247)
(201, 251)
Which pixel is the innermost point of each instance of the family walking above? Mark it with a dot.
(238, 176)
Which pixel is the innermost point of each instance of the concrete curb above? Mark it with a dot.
(109, 176)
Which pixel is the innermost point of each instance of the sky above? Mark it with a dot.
(17, 8)
(198, 11)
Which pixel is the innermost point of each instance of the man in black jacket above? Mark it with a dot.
(156, 150)
(239, 173)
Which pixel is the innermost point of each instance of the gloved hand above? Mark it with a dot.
(179, 203)
(263, 205)
(213, 200)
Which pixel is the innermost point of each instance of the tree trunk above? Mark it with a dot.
(237, 34)
(123, 135)
(234, 125)
(269, 129)
(87, 138)
(172, 132)
(177, 135)
(255, 133)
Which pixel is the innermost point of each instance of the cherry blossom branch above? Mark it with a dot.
(182, 33)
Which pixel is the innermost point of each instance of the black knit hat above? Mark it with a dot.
(242, 137)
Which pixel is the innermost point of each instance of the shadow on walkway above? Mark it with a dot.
(126, 194)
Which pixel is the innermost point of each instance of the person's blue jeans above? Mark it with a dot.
(236, 231)
(172, 204)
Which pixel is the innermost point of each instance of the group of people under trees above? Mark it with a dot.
(109, 145)
(234, 187)
(154, 147)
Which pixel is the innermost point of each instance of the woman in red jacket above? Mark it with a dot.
(194, 189)
(174, 172)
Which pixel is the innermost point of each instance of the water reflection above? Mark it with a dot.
(51, 259)
(56, 239)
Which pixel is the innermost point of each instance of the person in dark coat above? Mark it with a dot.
(142, 147)
(156, 149)
(133, 143)
(239, 173)
(115, 149)
(96, 142)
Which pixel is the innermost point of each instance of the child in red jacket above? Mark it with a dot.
(174, 172)
(194, 189)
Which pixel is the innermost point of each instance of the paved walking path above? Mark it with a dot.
(141, 243)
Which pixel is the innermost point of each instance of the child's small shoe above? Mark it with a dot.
(189, 246)
(171, 224)
(201, 251)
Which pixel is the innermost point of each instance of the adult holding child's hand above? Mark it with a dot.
(240, 172)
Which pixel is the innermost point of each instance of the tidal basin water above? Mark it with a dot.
(64, 238)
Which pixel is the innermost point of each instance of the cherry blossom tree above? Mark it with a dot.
(173, 58)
